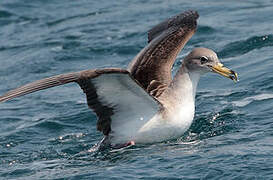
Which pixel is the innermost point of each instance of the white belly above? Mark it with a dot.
(158, 129)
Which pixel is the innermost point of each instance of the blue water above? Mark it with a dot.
(48, 135)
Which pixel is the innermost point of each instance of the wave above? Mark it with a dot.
(244, 46)
(205, 29)
(52, 125)
(59, 21)
(5, 14)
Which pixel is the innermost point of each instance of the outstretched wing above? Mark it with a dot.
(118, 100)
(152, 66)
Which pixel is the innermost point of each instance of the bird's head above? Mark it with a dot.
(205, 60)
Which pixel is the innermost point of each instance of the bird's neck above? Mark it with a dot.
(179, 98)
(184, 84)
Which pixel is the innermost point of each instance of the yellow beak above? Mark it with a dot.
(220, 69)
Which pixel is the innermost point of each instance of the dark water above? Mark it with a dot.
(47, 135)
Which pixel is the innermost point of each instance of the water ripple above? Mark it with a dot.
(244, 46)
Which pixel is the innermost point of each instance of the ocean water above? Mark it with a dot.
(48, 135)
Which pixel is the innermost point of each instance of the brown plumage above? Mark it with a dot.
(166, 40)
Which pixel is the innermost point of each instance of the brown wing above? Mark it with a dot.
(111, 93)
(153, 64)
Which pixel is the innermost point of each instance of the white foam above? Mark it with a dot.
(57, 48)
(248, 100)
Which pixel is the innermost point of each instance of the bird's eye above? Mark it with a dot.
(204, 59)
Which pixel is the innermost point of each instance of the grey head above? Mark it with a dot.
(205, 60)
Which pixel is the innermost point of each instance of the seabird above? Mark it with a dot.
(144, 104)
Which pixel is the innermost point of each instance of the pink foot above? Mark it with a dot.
(131, 143)
(118, 146)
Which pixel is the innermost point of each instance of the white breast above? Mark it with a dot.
(158, 129)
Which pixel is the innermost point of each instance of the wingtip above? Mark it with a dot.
(8, 96)
(185, 18)
(194, 13)
(4, 99)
